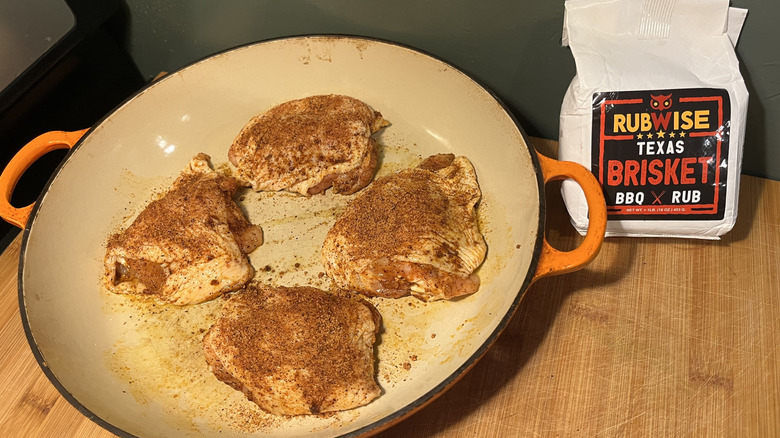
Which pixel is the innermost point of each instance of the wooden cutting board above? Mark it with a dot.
(657, 337)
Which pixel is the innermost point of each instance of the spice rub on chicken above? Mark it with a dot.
(308, 145)
(188, 246)
(413, 232)
(296, 350)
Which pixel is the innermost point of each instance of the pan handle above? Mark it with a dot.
(22, 161)
(552, 261)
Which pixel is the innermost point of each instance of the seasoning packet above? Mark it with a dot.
(657, 111)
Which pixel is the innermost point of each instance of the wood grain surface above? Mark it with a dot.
(656, 337)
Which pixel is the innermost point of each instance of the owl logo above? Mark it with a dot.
(661, 103)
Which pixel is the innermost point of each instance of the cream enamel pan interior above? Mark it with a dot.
(136, 368)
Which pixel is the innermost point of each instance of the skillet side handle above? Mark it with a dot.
(552, 261)
(27, 155)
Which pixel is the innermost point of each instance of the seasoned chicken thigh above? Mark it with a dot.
(296, 350)
(308, 145)
(188, 246)
(414, 232)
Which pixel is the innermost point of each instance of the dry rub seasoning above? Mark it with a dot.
(657, 112)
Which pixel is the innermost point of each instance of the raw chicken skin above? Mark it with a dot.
(308, 145)
(188, 246)
(296, 350)
(414, 232)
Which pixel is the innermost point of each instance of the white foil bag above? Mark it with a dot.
(657, 112)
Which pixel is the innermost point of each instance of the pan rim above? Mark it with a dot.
(381, 423)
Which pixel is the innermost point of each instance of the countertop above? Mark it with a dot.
(656, 337)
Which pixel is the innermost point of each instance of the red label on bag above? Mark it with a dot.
(661, 154)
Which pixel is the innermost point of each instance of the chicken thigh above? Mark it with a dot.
(308, 145)
(187, 247)
(296, 350)
(414, 232)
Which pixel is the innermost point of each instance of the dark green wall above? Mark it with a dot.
(513, 47)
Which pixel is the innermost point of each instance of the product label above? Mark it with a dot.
(662, 154)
